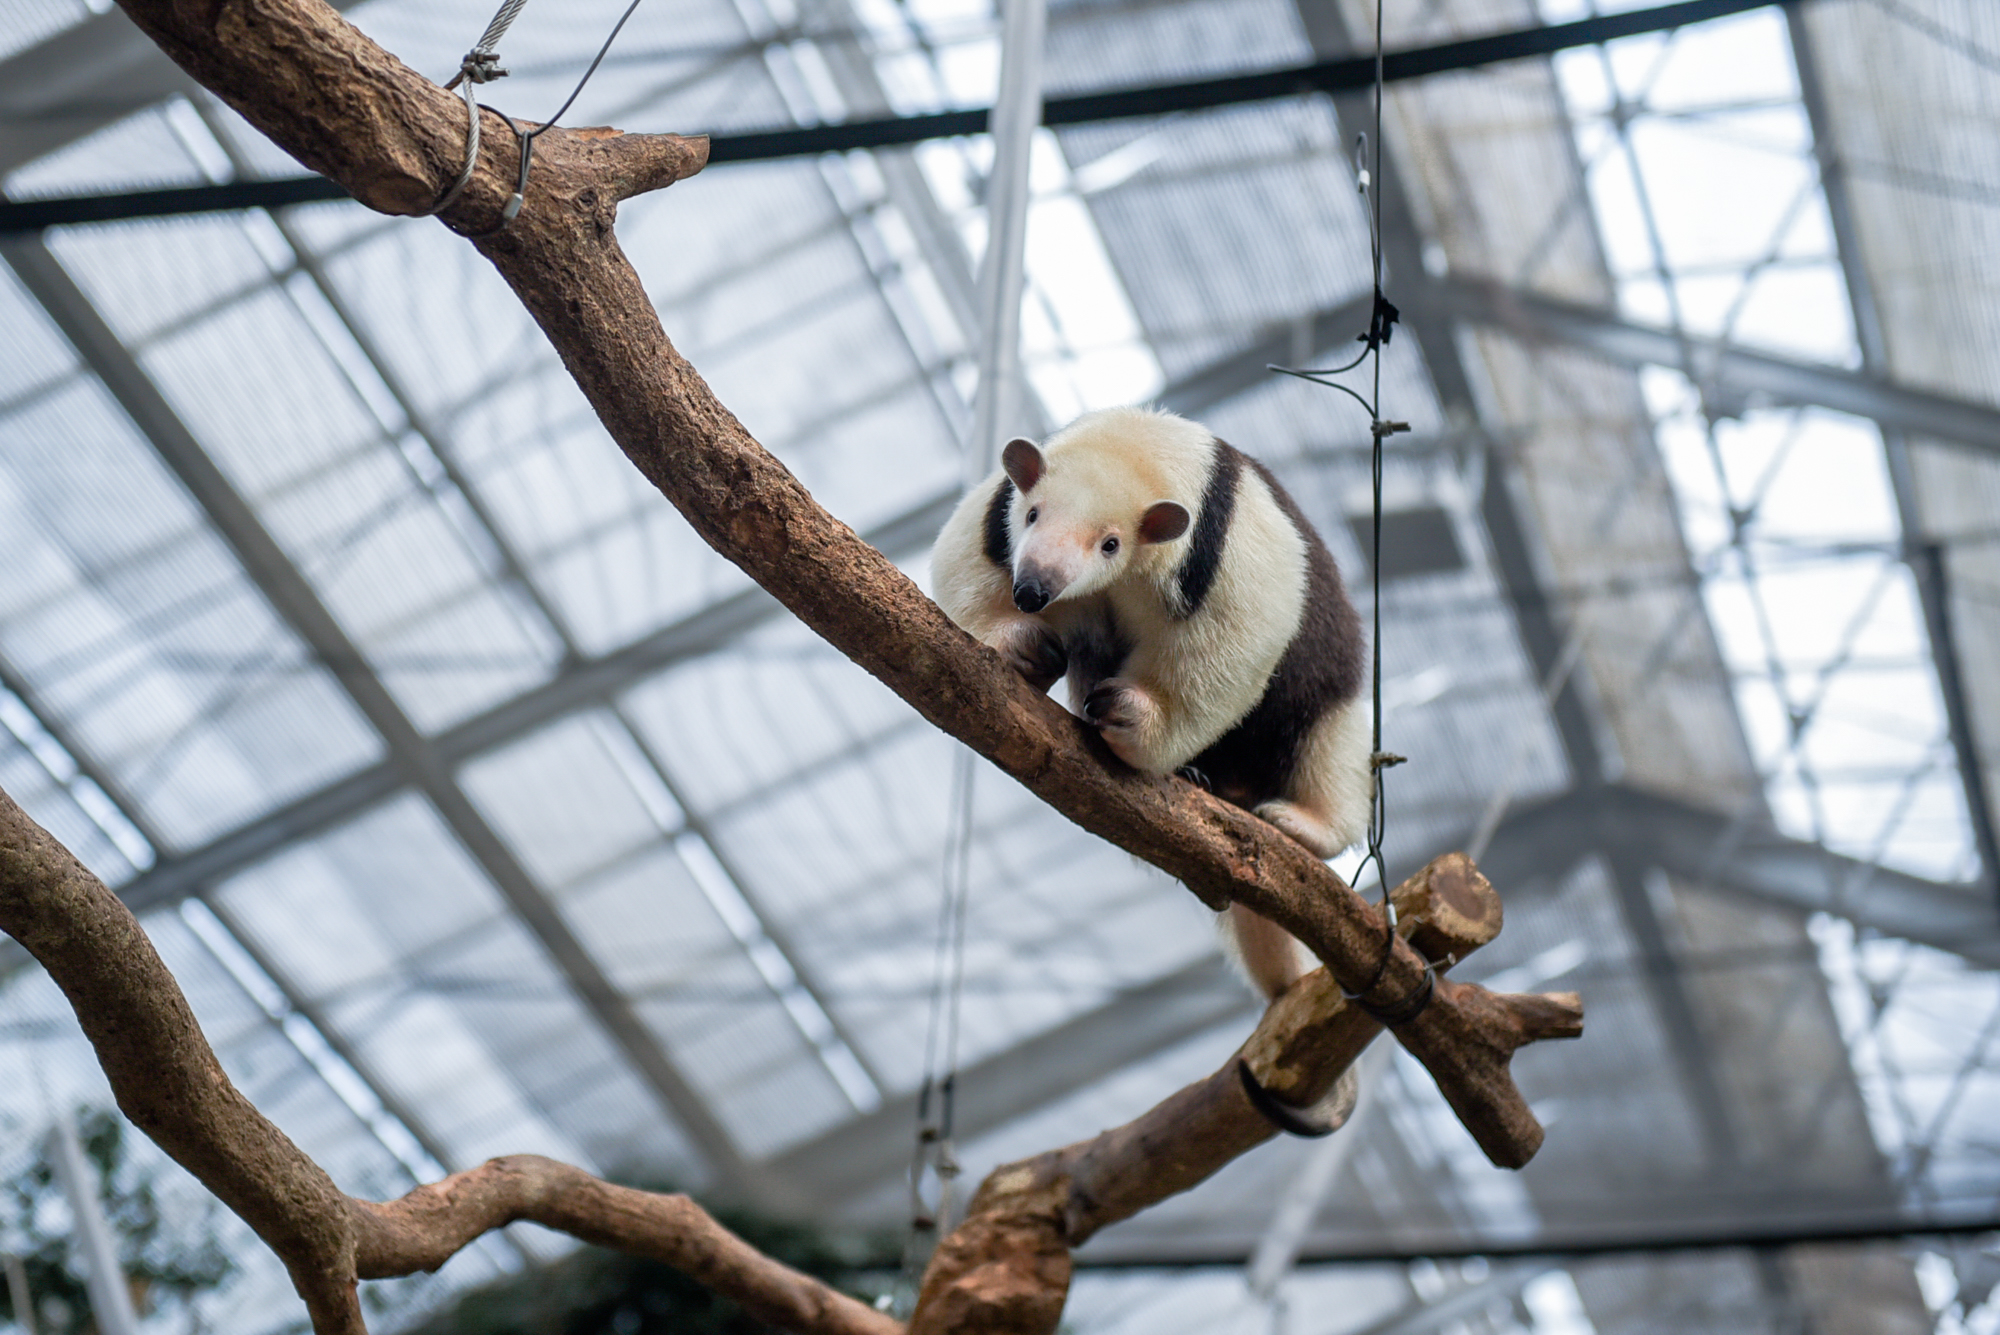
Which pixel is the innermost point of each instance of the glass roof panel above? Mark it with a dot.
(794, 920)
(140, 635)
(504, 1049)
(32, 21)
(38, 356)
(31, 775)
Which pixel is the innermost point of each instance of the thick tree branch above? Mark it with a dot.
(338, 103)
(1006, 1269)
(167, 1080)
(425, 1228)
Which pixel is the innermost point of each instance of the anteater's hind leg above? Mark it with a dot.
(1326, 805)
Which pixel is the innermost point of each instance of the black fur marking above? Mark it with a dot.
(1097, 649)
(999, 544)
(1322, 668)
(1211, 530)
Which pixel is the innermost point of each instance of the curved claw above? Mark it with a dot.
(1319, 1119)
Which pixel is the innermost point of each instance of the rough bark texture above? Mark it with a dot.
(342, 106)
(983, 1277)
(168, 1082)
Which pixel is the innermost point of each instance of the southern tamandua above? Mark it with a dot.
(1198, 618)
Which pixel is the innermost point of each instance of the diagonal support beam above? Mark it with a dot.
(81, 80)
(867, 1151)
(1927, 558)
(1729, 373)
(416, 762)
(1747, 858)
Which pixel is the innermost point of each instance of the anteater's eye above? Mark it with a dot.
(1110, 547)
(1032, 513)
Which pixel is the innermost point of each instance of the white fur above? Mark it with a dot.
(1187, 681)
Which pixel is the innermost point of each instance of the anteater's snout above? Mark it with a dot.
(1031, 594)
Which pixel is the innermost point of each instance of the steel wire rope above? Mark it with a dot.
(1381, 322)
(482, 65)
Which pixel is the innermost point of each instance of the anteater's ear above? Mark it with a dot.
(1023, 463)
(1163, 522)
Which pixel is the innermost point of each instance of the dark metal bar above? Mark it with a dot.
(1751, 1239)
(1325, 76)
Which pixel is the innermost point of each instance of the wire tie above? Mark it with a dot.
(1409, 1008)
(1382, 318)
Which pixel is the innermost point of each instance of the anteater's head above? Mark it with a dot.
(1085, 511)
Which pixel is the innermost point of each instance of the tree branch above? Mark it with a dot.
(1006, 1269)
(167, 1080)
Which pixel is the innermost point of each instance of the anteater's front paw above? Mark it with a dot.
(1123, 713)
(1034, 651)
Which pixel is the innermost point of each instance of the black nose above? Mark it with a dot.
(1030, 596)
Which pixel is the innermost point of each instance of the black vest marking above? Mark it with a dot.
(1211, 530)
(1322, 668)
(1097, 648)
(1000, 546)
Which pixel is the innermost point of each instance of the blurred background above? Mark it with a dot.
(479, 808)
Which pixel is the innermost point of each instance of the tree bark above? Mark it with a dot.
(1006, 1269)
(167, 1080)
(344, 107)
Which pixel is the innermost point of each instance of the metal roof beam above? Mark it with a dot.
(1333, 75)
(79, 81)
(1728, 374)
(84, 78)
(866, 1151)
(1927, 558)
(1745, 857)
(392, 1104)
(418, 763)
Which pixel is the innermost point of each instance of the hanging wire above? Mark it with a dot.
(934, 1150)
(1382, 320)
(482, 65)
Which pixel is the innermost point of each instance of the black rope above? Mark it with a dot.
(1382, 319)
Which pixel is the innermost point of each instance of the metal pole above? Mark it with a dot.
(1016, 115)
(104, 1280)
(17, 1294)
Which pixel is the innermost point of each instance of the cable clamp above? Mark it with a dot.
(479, 66)
(1382, 760)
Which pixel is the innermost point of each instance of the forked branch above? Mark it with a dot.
(167, 1080)
(1007, 1267)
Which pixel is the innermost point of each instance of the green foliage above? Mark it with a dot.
(596, 1292)
(166, 1260)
